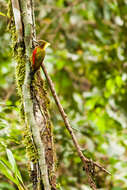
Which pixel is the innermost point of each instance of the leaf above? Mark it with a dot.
(5, 171)
(116, 188)
(118, 81)
(2, 14)
(6, 186)
(6, 163)
(14, 165)
(11, 159)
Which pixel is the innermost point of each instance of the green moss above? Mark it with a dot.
(11, 26)
(20, 69)
(42, 93)
(30, 148)
(19, 55)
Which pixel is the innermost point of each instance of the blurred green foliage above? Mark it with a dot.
(87, 61)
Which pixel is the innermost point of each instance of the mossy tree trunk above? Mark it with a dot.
(34, 101)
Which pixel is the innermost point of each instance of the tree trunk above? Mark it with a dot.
(38, 136)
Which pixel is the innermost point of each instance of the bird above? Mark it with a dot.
(38, 55)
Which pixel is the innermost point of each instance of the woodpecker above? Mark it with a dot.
(38, 55)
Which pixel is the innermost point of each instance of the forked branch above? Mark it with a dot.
(86, 162)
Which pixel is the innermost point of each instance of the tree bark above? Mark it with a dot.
(34, 102)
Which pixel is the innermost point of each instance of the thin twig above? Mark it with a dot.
(85, 160)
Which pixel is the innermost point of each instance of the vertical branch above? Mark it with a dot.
(28, 104)
(23, 12)
(41, 110)
(17, 18)
(33, 18)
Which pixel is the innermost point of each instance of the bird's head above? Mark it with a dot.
(42, 43)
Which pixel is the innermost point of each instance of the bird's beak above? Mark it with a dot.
(47, 44)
